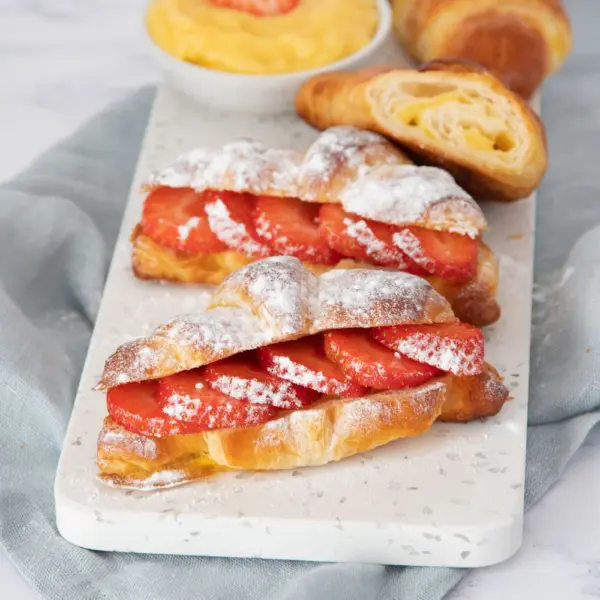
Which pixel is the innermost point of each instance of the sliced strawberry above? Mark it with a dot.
(372, 364)
(291, 227)
(175, 218)
(187, 399)
(360, 238)
(448, 255)
(304, 362)
(135, 407)
(241, 378)
(262, 8)
(230, 219)
(453, 347)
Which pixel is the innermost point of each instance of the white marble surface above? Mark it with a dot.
(62, 60)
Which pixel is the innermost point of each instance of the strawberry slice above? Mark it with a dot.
(291, 227)
(135, 407)
(230, 219)
(240, 378)
(261, 8)
(187, 399)
(304, 362)
(360, 238)
(175, 218)
(372, 364)
(448, 255)
(453, 347)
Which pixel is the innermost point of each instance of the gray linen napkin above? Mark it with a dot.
(58, 224)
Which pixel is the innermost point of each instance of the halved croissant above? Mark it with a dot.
(450, 114)
(274, 300)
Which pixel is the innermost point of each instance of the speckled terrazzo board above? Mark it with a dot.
(453, 496)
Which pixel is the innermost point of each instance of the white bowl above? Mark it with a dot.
(260, 94)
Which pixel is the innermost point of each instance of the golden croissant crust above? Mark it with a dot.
(520, 41)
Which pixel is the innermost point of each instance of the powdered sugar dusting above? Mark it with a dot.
(114, 437)
(279, 290)
(221, 415)
(181, 407)
(363, 418)
(280, 394)
(273, 300)
(182, 171)
(367, 415)
(464, 357)
(166, 478)
(376, 249)
(371, 176)
(239, 166)
(183, 231)
(232, 233)
(411, 246)
(216, 332)
(184, 343)
(411, 195)
(363, 297)
(248, 165)
(298, 374)
(342, 150)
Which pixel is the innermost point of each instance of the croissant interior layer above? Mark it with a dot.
(444, 117)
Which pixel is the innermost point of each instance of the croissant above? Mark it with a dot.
(189, 399)
(450, 114)
(520, 41)
(352, 200)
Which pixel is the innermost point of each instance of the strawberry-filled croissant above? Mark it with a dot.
(353, 199)
(288, 369)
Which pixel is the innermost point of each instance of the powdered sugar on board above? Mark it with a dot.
(451, 497)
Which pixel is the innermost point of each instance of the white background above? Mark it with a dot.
(61, 61)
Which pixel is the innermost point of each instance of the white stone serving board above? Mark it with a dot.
(451, 497)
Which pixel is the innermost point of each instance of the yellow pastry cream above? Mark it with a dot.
(313, 34)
